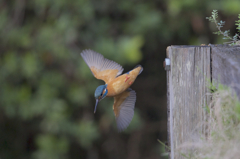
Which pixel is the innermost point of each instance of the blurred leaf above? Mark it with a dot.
(10, 63)
(146, 20)
(8, 100)
(131, 48)
(87, 131)
(30, 65)
(51, 147)
(3, 18)
(231, 7)
(77, 95)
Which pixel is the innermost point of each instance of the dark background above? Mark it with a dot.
(46, 89)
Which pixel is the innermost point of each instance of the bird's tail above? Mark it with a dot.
(140, 70)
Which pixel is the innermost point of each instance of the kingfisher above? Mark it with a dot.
(116, 85)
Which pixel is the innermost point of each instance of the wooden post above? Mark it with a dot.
(192, 68)
(189, 71)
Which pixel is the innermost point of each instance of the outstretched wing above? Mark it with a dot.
(123, 108)
(101, 67)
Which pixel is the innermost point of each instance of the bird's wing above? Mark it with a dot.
(123, 108)
(101, 67)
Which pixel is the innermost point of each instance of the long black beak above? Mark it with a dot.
(96, 106)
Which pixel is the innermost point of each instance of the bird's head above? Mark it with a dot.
(100, 93)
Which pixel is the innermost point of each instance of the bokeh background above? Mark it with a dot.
(46, 89)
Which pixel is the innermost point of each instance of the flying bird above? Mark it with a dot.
(116, 85)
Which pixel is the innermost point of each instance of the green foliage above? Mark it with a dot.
(226, 34)
(43, 79)
(165, 149)
(131, 48)
(213, 17)
(51, 147)
(164, 145)
(87, 133)
(238, 23)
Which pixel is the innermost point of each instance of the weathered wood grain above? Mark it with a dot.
(226, 66)
(188, 81)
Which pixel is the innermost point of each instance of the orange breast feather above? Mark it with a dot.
(123, 82)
